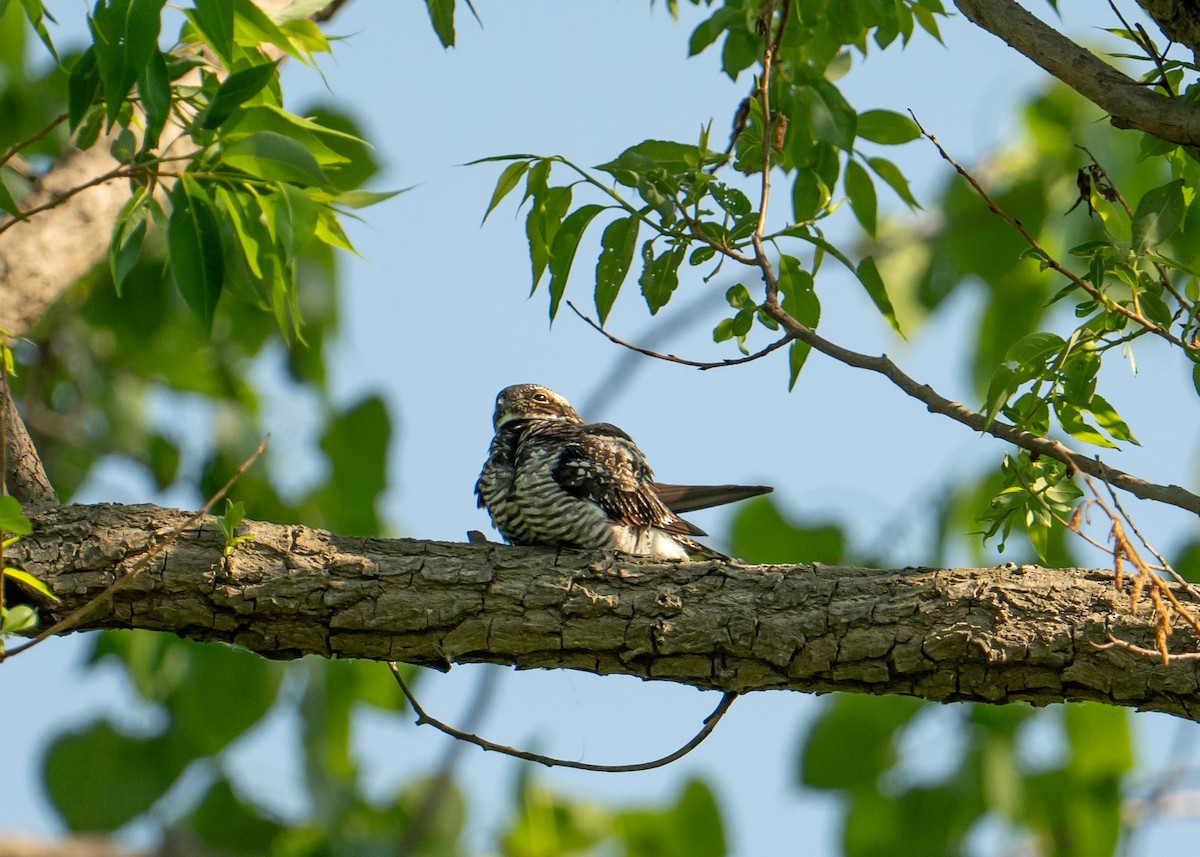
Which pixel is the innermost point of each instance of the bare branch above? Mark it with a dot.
(683, 361)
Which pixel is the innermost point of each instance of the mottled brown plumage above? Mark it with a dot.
(552, 479)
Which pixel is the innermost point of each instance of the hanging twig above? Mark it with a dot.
(710, 723)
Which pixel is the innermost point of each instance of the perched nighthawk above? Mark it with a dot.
(551, 479)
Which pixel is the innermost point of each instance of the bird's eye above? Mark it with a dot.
(540, 397)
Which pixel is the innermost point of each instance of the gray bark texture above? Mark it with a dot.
(1012, 633)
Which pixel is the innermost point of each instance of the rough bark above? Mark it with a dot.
(986, 634)
(1178, 19)
(1129, 104)
(24, 476)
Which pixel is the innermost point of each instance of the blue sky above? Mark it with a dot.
(436, 319)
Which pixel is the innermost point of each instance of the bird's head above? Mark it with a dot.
(531, 402)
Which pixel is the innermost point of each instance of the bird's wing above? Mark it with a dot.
(688, 498)
(601, 463)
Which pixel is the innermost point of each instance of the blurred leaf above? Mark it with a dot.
(356, 442)
(854, 740)
(228, 824)
(762, 535)
(130, 773)
(1158, 214)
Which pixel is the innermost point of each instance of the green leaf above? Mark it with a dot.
(291, 218)
(236, 90)
(887, 127)
(834, 121)
(365, 198)
(11, 518)
(214, 21)
(1159, 213)
(30, 582)
(674, 158)
(125, 247)
(82, 86)
(895, 179)
(35, 13)
(617, 246)
(508, 180)
(196, 255)
(274, 157)
(1073, 423)
(1108, 418)
(320, 140)
(7, 202)
(709, 31)
(801, 303)
(562, 251)
(660, 277)
(252, 27)
(1032, 350)
(861, 191)
(868, 275)
(550, 204)
(16, 620)
(441, 15)
(154, 88)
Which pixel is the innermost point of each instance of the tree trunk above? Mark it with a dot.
(1012, 633)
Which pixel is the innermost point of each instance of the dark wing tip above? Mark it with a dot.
(688, 498)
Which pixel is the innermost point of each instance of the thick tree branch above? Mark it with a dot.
(991, 635)
(24, 476)
(1129, 104)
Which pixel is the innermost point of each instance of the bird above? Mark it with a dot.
(553, 480)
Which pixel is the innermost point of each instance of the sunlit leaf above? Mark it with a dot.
(12, 520)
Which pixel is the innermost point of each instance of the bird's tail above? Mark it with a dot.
(688, 498)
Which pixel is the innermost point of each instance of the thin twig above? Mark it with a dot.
(59, 198)
(31, 139)
(1114, 642)
(671, 358)
(67, 622)
(710, 723)
(1049, 260)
